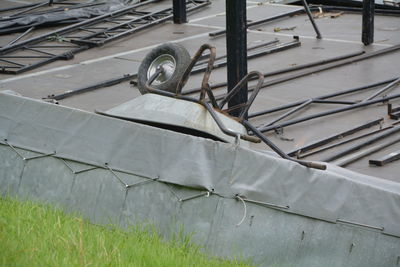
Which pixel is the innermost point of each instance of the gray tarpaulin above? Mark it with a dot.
(189, 161)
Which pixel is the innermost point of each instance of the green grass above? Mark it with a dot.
(38, 235)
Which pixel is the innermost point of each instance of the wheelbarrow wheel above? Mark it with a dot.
(173, 58)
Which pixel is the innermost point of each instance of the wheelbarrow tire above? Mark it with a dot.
(175, 59)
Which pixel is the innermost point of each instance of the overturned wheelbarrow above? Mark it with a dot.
(161, 77)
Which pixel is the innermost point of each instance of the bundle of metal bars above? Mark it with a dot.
(52, 14)
(261, 49)
(64, 43)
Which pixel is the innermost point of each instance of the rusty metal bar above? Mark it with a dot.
(277, 150)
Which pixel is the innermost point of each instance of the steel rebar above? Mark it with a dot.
(334, 137)
(363, 144)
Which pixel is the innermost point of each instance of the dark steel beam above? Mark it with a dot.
(368, 22)
(236, 47)
(358, 137)
(179, 9)
(385, 159)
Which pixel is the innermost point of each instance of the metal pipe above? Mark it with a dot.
(334, 137)
(277, 150)
(328, 66)
(92, 87)
(334, 65)
(290, 112)
(262, 45)
(65, 56)
(357, 10)
(340, 93)
(310, 16)
(29, 9)
(127, 77)
(17, 7)
(20, 36)
(250, 55)
(329, 112)
(356, 156)
(384, 89)
(343, 142)
(262, 21)
(363, 144)
(319, 101)
(236, 49)
(285, 70)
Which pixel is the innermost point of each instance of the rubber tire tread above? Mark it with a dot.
(182, 59)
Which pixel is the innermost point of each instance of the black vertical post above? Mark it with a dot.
(179, 9)
(368, 22)
(236, 46)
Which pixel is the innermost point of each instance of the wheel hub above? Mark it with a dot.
(167, 63)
